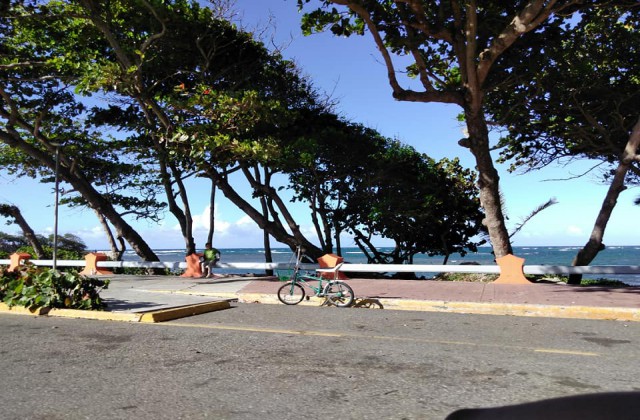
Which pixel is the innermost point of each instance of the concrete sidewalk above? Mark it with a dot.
(160, 298)
(552, 300)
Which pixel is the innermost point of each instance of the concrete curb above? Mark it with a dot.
(266, 298)
(184, 311)
(495, 308)
(513, 309)
(20, 310)
(529, 310)
(145, 317)
(99, 315)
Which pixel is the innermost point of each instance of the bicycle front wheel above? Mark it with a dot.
(291, 293)
(339, 293)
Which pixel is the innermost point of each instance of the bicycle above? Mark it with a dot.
(293, 292)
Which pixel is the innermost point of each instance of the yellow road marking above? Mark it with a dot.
(571, 352)
(375, 337)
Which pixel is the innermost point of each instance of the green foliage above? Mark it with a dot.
(579, 97)
(469, 277)
(54, 51)
(34, 287)
(603, 282)
(430, 35)
(186, 93)
(225, 128)
(359, 182)
(70, 246)
(141, 271)
(62, 253)
(10, 243)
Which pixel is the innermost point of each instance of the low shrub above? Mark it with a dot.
(553, 278)
(141, 271)
(35, 287)
(471, 277)
(603, 282)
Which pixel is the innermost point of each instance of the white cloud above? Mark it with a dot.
(574, 230)
(201, 221)
(245, 220)
(92, 233)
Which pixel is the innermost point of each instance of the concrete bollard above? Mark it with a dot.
(91, 264)
(193, 266)
(511, 270)
(331, 261)
(17, 259)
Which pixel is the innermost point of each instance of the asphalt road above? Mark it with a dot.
(277, 362)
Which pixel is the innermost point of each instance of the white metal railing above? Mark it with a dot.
(490, 269)
(172, 265)
(362, 268)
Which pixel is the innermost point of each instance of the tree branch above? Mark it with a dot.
(366, 17)
(528, 19)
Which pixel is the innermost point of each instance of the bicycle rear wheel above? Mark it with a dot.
(339, 294)
(291, 293)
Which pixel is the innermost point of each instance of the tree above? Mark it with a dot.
(10, 243)
(424, 206)
(356, 181)
(180, 66)
(246, 132)
(13, 212)
(38, 111)
(455, 48)
(583, 102)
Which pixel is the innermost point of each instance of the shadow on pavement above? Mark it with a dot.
(125, 305)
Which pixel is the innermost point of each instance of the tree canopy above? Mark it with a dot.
(583, 101)
(357, 181)
(455, 53)
(137, 97)
(576, 98)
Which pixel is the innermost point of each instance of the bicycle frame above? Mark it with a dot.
(293, 292)
(307, 279)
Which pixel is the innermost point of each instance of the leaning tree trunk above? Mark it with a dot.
(116, 252)
(94, 199)
(8, 210)
(488, 183)
(170, 175)
(155, 117)
(266, 239)
(97, 202)
(212, 213)
(274, 228)
(594, 244)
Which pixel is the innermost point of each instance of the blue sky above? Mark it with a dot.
(349, 69)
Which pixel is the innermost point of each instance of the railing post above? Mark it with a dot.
(331, 261)
(16, 260)
(511, 270)
(193, 266)
(91, 264)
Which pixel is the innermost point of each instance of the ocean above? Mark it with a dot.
(533, 255)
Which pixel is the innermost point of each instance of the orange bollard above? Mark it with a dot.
(511, 270)
(16, 260)
(193, 266)
(91, 264)
(330, 261)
